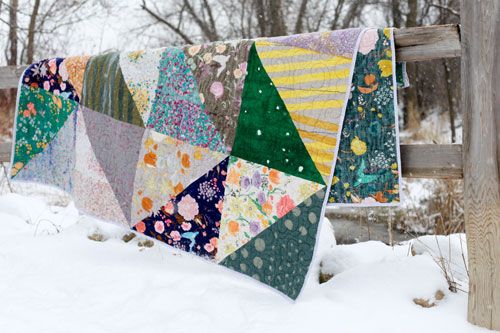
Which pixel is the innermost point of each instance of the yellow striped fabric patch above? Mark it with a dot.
(313, 86)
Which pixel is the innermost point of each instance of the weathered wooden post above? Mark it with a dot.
(481, 148)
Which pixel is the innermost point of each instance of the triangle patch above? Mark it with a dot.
(190, 221)
(53, 165)
(40, 115)
(140, 71)
(166, 166)
(280, 256)
(92, 192)
(337, 43)
(116, 146)
(266, 133)
(255, 198)
(220, 69)
(313, 87)
(105, 90)
(177, 108)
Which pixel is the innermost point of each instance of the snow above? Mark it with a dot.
(53, 278)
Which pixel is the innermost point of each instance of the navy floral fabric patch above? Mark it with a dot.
(51, 75)
(191, 220)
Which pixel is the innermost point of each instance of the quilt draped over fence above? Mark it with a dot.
(227, 150)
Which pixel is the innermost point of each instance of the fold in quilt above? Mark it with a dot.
(228, 150)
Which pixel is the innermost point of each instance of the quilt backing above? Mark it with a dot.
(224, 150)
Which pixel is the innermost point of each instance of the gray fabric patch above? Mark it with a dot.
(54, 165)
(116, 146)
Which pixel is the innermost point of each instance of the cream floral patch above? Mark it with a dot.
(256, 197)
(140, 70)
(165, 167)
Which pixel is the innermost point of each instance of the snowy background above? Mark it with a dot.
(64, 272)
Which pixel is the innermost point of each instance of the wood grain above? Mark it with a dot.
(5, 151)
(481, 112)
(427, 43)
(418, 161)
(9, 76)
(432, 161)
(412, 44)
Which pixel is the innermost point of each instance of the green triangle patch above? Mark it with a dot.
(266, 133)
(105, 90)
(280, 255)
(40, 115)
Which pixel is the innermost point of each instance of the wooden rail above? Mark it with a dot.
(412, 44)
(427, 43)
(418, 161)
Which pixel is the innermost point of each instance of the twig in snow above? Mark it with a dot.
(7, 178)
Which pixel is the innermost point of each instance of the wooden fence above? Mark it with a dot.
(477, 160)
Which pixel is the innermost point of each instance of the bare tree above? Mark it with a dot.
(300, 17)
(31, 32)
(412, 112)
(13, 27)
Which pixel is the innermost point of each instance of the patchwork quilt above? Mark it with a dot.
(229, 150)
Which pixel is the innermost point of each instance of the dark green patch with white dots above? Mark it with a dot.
(266, 133)
(280, 255)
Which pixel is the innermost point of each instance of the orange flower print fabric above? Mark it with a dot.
(76, 69)
(165, 168)
(190, 221)
(256, 197)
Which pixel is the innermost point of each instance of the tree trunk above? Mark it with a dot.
(412, 112)
(352, 13)
(276, 19)
(451, 106)
(261, 17)
(481, 111)
(12, 58)
(12, 54)
(300, 17)
(31, 33)
(396, 13)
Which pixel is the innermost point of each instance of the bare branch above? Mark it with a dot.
(201, 24)
(448, 9)
(167, 23)
(211, 18)
(336, 14)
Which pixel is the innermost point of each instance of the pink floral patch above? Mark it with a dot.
(159, 227)
(141, 227)
(285, 204)
(176, 236)
(186, 226)
(368, 41)
(168, 208)
(188, 207)
(217, 89)
(209, 247)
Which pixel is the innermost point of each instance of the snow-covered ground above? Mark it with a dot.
(53, 278)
